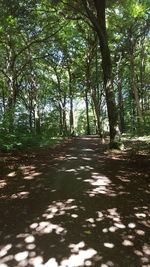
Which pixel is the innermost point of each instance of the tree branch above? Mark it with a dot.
(5, 74)
(38, 41)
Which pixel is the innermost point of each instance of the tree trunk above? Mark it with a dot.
(10, 108)
(30, 119)
(60, 120)
(99, 23)
(71, 117)
(35, 100)
(87, 113)
(87, 89)
(98, 118)
(120, 97)
(64, 117)
(135, 91)
(142, 72)
(37, 117)
(62, 111)
(12, 86)
(110, 98)
(35, 104)
(71, 103)
(121, 109)
(97, 102)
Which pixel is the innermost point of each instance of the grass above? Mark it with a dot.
(10, 142)
(139, 144)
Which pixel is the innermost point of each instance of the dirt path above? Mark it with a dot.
(74, 206)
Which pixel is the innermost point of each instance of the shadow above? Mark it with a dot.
(74, 206)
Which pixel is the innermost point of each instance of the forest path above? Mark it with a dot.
(74, 206)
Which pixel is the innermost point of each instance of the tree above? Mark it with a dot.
(94, 11)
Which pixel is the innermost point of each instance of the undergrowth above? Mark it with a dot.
(20, 141)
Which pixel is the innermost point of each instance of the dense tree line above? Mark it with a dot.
(74, 67)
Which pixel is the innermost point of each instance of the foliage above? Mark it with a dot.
(50, 57)
(25, 141)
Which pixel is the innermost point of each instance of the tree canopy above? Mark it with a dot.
(74, 67)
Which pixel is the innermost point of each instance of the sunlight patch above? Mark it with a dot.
(140, 232)
(58, 208)
(36, 173)
(37, 261)
(105, 230)
(107, 264)
(5, 249)
(21, 256)
(51, 263)
(87, 149)
(101, 185)
(31, 246)
(70, 157)
(75, 247)
(109, 245)
(146, 249)
(91, 220)
(11, 174)
(47, 227)
(71, 170)
(29, 177)
(131, 225)
(138, 252)
(120, 225)
(127, 243)
(100, 214)
(87, 159)
(2, 183)
(33, 225)
(101, 179)
(29, 239)
(76, 260)
(140, 215)
(112, 229)
(74, 215)
(116, 219)
(26, 168)
(88, 263)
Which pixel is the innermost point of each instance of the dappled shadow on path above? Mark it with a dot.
(83, 208)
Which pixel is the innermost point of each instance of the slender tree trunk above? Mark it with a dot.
(121, 109)
(64, 117)
(60, 120)
(87, 114)
(12, 86)
(35, 100)
(71, 116)
(37, 117)
(71, 103)
(62, 104)
(30, 119)
(10, 108)
(120, 96)
(62, 112)
(3, 101)
(36, 105)
(97, 103)
(87, 89)
(142, 72)
(132, 123)
(135, 90)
